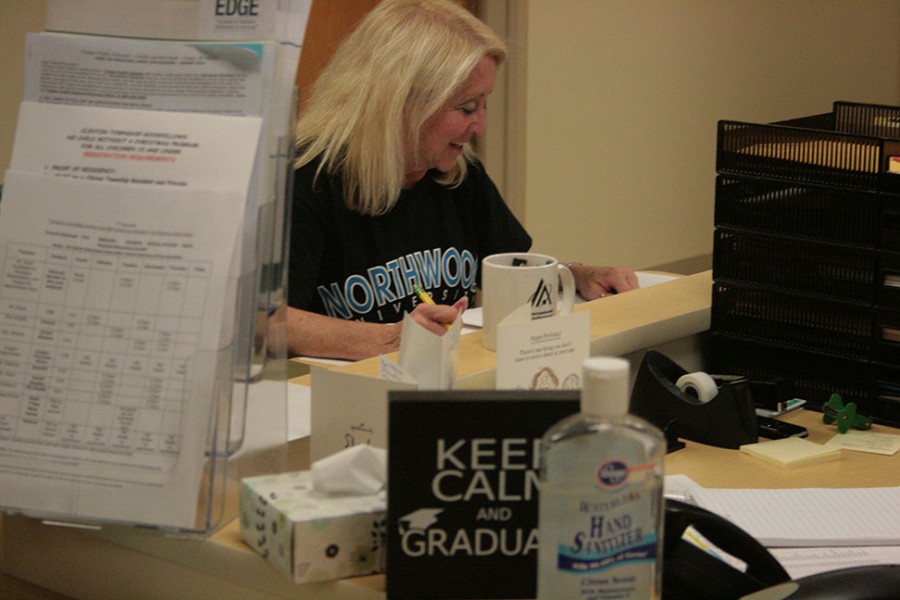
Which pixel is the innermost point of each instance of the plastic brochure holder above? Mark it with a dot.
(260, 342)
(263, 325)
(227, 426)
(252, 365)
(228, 405)
(266, 353)
(728, 420)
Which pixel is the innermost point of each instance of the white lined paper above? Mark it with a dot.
(805, 517)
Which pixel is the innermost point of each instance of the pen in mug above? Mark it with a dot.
(426, 298)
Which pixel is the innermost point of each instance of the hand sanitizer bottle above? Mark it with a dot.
(600, 517)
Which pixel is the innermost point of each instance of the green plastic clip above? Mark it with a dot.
(844, 415)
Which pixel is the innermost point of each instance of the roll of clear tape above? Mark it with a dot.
(698, 385)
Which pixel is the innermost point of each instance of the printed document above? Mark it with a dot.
(217, 78)
(231, 79)
(117, 308)
(112, 307)
(136, 147)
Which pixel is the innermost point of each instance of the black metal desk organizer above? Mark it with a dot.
(806, 259)
(726, 421)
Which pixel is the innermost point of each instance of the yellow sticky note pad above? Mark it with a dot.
(791, 452)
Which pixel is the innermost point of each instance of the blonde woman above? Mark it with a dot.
(387, 190)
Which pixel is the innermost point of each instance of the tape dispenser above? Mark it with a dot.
(714, 410)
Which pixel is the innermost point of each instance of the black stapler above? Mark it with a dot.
(728, 420)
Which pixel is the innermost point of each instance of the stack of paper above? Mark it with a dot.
(142, 200)
(802, 517)
(240, 60)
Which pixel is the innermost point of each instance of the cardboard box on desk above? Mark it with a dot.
(308, 535)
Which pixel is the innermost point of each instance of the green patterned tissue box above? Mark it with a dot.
(309, 535)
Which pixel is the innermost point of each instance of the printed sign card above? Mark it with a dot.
(463, 490)
(348, 410)
(543, 354)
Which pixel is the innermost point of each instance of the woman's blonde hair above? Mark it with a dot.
(398, 68)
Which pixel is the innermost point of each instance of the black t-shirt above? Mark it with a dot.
(353, 266)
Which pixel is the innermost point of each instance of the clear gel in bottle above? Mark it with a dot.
(600, 522)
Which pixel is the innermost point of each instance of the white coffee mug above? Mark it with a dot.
(511, 280)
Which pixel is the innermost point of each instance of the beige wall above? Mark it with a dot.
(620, 105)
(16, 18)
(608, 131)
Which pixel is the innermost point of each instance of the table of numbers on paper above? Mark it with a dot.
(96, 352)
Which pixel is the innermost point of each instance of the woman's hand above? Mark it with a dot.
(597, 282)
(436, 318)
(312, 334)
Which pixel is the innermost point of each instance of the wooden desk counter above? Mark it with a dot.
(723, 468)
(137, 564)
(620, 325)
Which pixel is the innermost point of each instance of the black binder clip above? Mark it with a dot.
(728, 420)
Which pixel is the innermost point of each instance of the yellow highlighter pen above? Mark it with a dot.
(426, 298)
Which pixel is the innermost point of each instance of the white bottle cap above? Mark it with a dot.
(604, 389)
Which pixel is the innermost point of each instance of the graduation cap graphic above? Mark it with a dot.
(418, 520)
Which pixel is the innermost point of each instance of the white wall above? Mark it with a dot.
(622, 97)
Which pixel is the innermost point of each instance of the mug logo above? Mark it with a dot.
(542, 301)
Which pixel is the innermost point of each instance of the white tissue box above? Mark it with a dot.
(312, 536)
